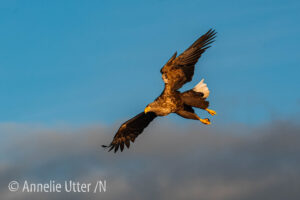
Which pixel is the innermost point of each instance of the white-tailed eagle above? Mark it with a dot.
(175, 73)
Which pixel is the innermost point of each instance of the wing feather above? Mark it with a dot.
(180, 70)
(130, 130)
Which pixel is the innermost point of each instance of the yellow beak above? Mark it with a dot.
(147, 109)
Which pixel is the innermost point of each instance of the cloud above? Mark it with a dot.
(168, 161)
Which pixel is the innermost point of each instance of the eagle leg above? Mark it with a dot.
(212, 112)
(189, 114)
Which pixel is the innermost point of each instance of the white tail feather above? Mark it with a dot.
(202, 87)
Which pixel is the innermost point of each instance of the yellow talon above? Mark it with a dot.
(212, 112)
(204, 121)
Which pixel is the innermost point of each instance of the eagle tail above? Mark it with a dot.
(202, 87)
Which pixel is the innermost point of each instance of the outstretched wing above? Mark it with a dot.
(130, 130)
(180, 70)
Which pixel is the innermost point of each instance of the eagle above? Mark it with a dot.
(175, 73)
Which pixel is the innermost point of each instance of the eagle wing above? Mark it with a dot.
(180, 70)
(129, 130)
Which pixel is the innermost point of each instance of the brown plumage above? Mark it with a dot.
(194, 99)
(175, 73)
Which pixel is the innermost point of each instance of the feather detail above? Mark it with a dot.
(202, 87)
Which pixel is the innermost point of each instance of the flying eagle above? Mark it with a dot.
(175, 73)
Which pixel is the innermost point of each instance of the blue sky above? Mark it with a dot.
(72, 71)
(82, 62)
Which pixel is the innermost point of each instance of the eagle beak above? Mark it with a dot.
(147, 109)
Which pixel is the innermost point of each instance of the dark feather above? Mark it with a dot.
(111, 147)
(117, 147)
(130, 130)
(122, 146)
(127, 143)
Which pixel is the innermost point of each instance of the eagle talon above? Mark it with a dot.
(205, 121)
(212, 112)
